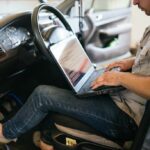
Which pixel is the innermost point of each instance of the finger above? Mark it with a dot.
(97, 83)
(118, 65)
(96, 86)
(109, 67)
(93, 83)
(97, 80)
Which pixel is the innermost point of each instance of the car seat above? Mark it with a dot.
(142, 138)
(72, 134)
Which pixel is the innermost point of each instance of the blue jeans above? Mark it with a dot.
(100, 112)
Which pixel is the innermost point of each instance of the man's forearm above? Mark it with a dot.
(136, 83)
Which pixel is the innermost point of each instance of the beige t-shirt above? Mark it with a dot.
(128, 101)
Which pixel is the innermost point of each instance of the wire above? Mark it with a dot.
(80, 6)
(80, 16)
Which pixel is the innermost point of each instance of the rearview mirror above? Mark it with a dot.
(43, 1)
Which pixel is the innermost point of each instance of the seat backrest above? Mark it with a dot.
(143, 129)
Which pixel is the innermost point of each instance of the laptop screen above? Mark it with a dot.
(72, 59)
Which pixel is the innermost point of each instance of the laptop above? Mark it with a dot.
(77, 67)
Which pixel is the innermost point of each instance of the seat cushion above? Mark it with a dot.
(78, 129)
(87, 136)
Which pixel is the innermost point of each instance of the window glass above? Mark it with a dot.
(12, 6)
(99, 5)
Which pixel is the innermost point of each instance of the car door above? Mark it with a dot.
(103, 27)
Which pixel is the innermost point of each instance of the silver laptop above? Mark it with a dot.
(77, 67)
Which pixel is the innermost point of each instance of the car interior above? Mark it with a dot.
(104, 31)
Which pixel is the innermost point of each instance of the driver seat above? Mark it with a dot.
(84, 137)
(72, 134)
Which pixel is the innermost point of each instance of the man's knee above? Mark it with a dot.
(41, 89)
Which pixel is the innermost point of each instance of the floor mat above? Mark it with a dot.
(25, 142)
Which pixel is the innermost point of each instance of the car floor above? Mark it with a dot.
(22, 88)
(25, 142)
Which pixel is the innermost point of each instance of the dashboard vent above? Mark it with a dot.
(2, 53)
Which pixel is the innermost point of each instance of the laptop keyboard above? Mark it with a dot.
(102, 89)
(87, 85)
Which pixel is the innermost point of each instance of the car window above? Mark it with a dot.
(100, 5)
(12, 6)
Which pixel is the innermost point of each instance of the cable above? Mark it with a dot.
(80, 16)
(80, 6)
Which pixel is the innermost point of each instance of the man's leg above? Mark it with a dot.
(100, 112)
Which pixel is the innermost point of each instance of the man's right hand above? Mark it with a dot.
(124, 65)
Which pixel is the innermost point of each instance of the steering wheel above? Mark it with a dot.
(54, 30)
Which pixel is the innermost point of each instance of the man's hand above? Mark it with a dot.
(136, 83)
(110, 78)
(124, 65)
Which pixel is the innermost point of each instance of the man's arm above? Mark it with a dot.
(136, 83)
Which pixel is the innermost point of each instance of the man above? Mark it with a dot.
(114, 116)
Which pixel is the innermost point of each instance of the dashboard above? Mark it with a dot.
(12, 37)
(14, 32)
(17, 41)
(19, 53)
(22, 64)
(17, 47)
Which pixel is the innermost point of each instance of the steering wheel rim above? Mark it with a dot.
(35, 26)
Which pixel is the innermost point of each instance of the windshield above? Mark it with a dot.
(12, 6)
